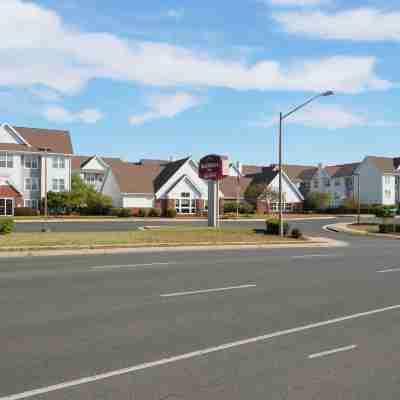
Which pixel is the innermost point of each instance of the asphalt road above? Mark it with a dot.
(266, 324)
(109, 226)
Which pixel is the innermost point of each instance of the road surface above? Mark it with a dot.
(266, 324)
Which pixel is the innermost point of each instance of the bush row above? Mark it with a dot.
(244, 208)
(272, 228)
(143, 212)
(389, 228)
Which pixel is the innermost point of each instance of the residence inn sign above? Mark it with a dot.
(213, 167)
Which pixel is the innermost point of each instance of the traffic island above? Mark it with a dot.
(363, 229)
(154, 240)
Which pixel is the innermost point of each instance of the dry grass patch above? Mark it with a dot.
(165, 236)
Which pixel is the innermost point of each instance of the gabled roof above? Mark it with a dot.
(168, 172)
(229, 186)
(146, 176)
(299, 173)
(251, 169)
(340, 171)
(56, 141)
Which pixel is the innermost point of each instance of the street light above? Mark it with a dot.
(282, 117)
(358, 198)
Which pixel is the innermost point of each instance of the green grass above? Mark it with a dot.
(162, 237)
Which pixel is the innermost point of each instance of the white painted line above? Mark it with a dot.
(334, 351)
(223, 289)
(106, 267)
(316, 255)
(389, 270)
(186, 356)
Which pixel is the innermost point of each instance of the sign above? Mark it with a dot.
(213, 167)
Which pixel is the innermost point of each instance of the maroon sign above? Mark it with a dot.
(213, 167)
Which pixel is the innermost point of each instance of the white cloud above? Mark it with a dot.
(329, 117)
(45, 94)
(166, 106)
(175, 13)
(363, 24)
(295, 3)
(61, 115)
(48, 52)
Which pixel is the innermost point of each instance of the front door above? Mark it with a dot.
(6, 207)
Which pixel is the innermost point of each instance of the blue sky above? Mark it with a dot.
(166, 78)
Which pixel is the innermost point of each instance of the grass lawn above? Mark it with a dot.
(162, 237)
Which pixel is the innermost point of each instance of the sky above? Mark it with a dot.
(170, 78)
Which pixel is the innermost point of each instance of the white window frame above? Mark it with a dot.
(58, 162)
(7, 199)
(31, 187)
(186, 204)
(387, 180)
(56, 185)
(7, 159)
(32, 203)
(31, 159)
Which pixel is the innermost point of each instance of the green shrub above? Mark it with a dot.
(317, 201)
(296, 233)
(397, 228)
(385, 211)
(272, 227)
(387, 228)
(115, 211)
(142, 213)
(246, 208)
(230, 207)
(7, 226)
(154, 212)
(125, 213)
(25, 212)
(170, 213)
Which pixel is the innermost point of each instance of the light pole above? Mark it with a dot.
(358, 199)
(282, 117)
(45, 228)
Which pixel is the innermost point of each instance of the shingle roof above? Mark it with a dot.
(300, 172)
(57, 141)
(143, 177)
(167, 172)
(340, 171)
(229, 186)
(384, 164)
(251, 169)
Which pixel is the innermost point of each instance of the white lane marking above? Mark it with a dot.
(389, 270)
(333, 351)
(105, 267)
(208, 290)
(316, 255)
(193, 354)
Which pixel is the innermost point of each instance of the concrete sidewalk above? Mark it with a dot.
(346, 228)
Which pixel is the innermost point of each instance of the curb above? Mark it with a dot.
(47, 252)
(344, 228)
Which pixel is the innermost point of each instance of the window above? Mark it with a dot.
(6, 160)
(58, 185)
(185, 205)
(387, 180)
(6, 207)
(32, 184)
(286, 207)
(31, 162)
(92, 179)
(327, 182)
(337, 182)
(32, 203)
(316, 184)
(59, 162)
(349, 182)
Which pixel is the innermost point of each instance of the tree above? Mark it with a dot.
(317, 201)
(260, 191)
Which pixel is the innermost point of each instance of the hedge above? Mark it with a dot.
(154, 212)
(272, 227)
(170, 213)
(25, 212)
(389, 228)
(7, 226)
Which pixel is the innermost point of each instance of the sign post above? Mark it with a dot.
(213, 168)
